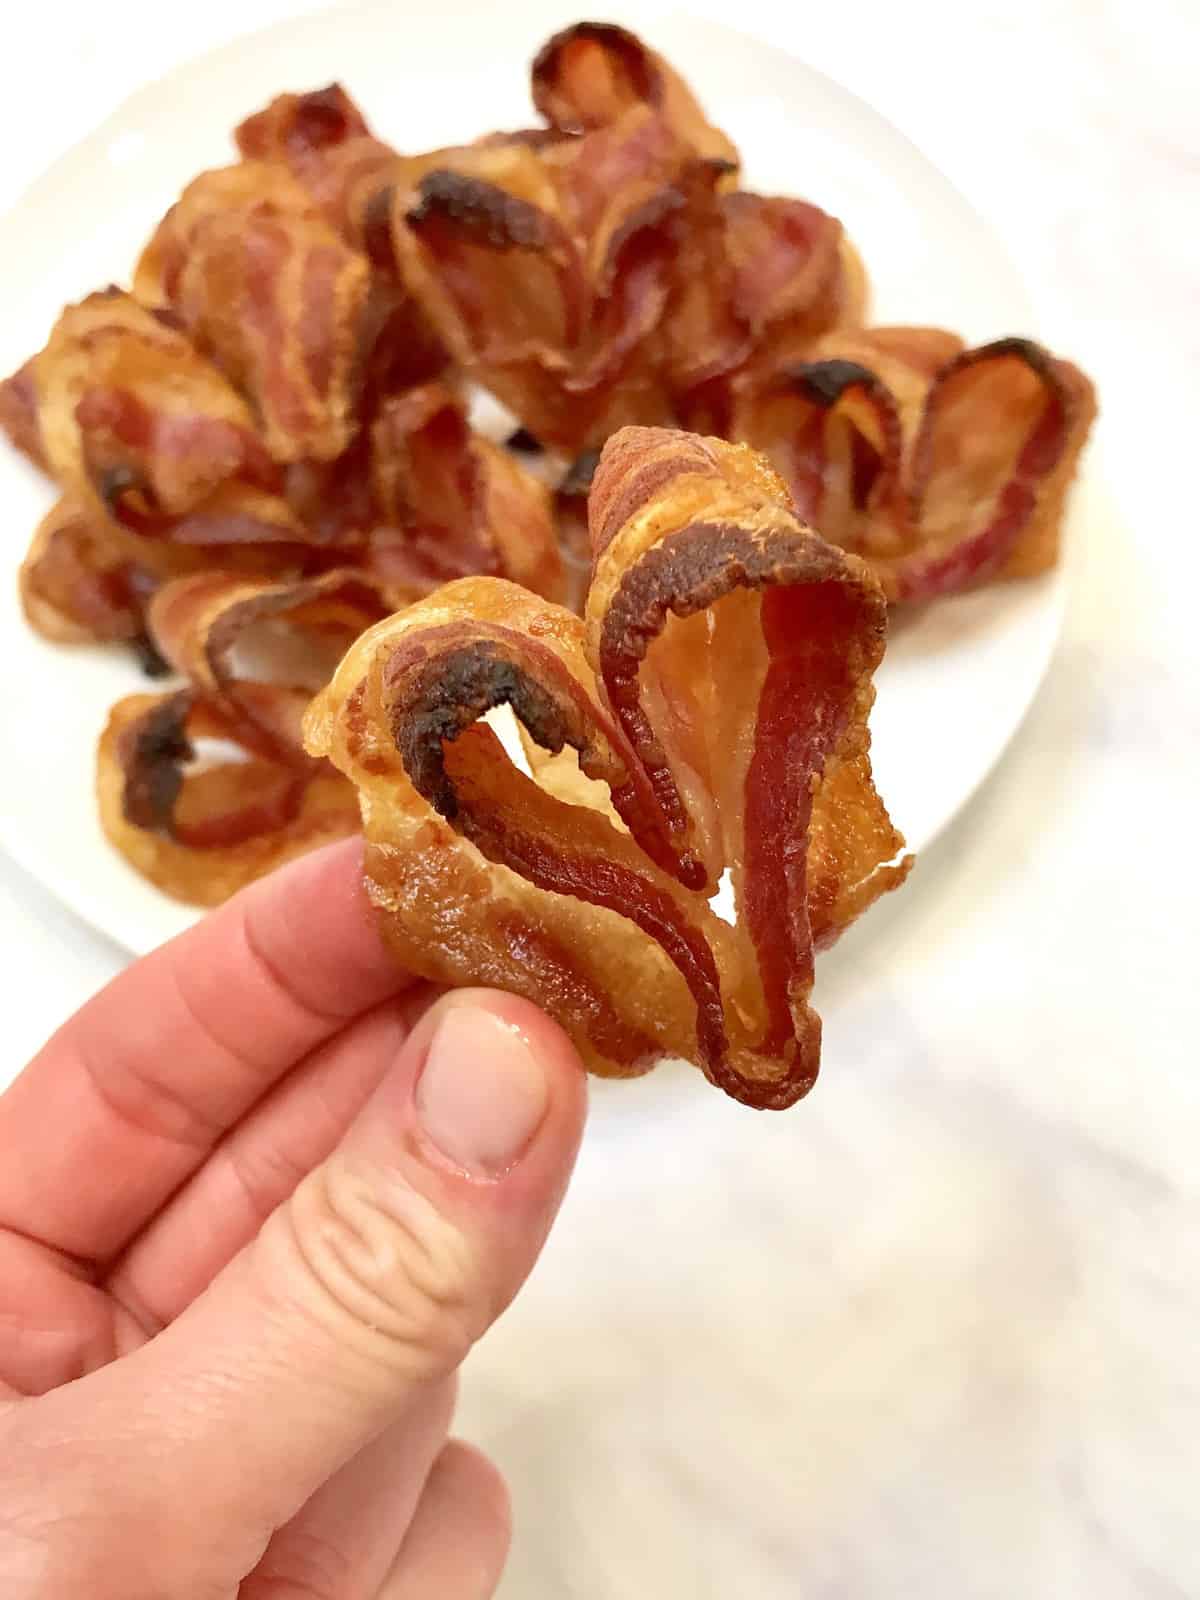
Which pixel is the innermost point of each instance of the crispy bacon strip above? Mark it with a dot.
(588, 75)
(76, 586)
(755, 278)
(252, 653)
(713, 707)
(943, 467)
(454, 503)
(19, 414)
(546, 263)
(139, 428)
(760, 281)
(201, 835)
(82, 583)
(258, 650)
(268, 290)
(322, 138)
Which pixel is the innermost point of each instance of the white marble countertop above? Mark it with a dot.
(936, 1335)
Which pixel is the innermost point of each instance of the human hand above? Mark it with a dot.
(257, 1200)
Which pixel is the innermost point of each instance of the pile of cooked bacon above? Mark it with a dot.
(263, 451)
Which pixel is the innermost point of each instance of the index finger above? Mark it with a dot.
(130, 1095)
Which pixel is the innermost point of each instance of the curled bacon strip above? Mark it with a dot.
(755, 278)
(759, 280)
(943, 467)
(454, 503)
(588, 75)
(712, 707)
(140, 429)
(322, 138)
(546, 262)
(19, 414)
(252, 653)
(267, 290)
(202, 835)
(82, 582)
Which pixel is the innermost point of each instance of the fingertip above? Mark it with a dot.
(330, 875)
(495, 1079)
(463, 1475)
(460, 1537)
(311, 924)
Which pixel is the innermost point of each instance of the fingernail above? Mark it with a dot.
(482, 1093)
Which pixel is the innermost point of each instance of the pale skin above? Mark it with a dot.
(258, 1199)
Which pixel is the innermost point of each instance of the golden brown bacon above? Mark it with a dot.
(588, 75)
(19, 414)
(323, 140)
(546, 262)
(267, 289)
(944, 467)
(148, 436)
(713, 706)
(452, 502)
(80, 583)
(757, 283)
(141, 429)
(201, 835)
(252, 653)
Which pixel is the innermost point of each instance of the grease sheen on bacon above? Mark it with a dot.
(708, 715)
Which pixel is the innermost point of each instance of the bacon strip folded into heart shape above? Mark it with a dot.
(943, 467)
(758, 280)
(707, 716)
(200, 825)
(164, 464)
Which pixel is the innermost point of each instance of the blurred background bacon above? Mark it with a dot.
(286, 393)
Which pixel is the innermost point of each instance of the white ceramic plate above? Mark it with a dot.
(957, 679)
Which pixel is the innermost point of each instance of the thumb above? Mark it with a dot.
(365, 1288)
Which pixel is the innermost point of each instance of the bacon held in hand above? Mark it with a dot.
(943, 467)
(252, 653)
(707, 716)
